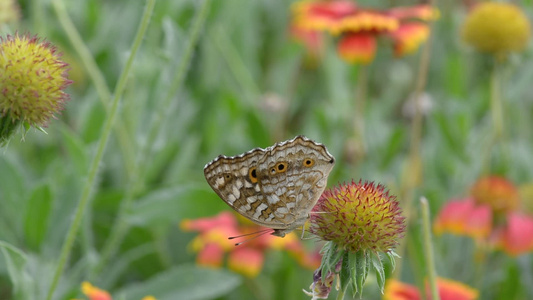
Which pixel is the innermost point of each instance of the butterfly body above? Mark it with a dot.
(274, 187)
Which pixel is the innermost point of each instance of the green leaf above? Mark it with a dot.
(396, 141)
(171, 205)
(76, 150)
(15, 261)
(346, 271)
(361, 270)
(334, 256)
(184, 282)
(391, 255)
(325, 251)
(353, 269)
(37, 215)
(330, 257)
(380, 271)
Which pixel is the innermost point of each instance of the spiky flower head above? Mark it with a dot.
(497, 28)
(361, 221)
(358, 216)
(32, 83)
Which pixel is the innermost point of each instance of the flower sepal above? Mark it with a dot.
(8, 126)
(351, 268)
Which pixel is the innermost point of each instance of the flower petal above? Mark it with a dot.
(464, 217)
(498, 192)
(211, 255)
(312, 40)
(516, 237)
(321, 15)
(246, 261)
(223, 219)
(93, 292)
(396, 290)
(454, 290)
(422, 12)
(357, 48)
(408, 37)
(368, 22)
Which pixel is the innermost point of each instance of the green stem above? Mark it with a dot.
(428, 249)
(413, 171)
(102, 142)
(162, 111)
(37, 11)
(98, 80)
(120, 227)
(496, 102)
(358, 141)
(236, 65)
(342, 291)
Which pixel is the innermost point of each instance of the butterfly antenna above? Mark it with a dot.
(257, 234)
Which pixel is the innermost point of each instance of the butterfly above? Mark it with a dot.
(275, 187)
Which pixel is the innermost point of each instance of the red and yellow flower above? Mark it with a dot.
(358, 28)
(489, 216)
(212, 244)
(448, 290)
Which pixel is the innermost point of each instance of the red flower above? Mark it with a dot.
(322, 15)
(212, 243)
(312, 40)
(448, 290)
(463, 217)
(515, 237)
(360, 27)
(489, 217)
(357, 48)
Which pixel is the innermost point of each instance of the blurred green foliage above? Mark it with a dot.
(248, 85)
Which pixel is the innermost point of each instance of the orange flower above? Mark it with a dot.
(93, 292)
(448, 290)
(463, 217)
(247, 258)
(498, 192)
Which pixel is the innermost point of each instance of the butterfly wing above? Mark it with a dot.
(274, 187)
(234, 179)
(293, 175)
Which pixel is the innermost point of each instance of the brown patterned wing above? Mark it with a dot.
(293, 175)
(274, 187)
(234, 179)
